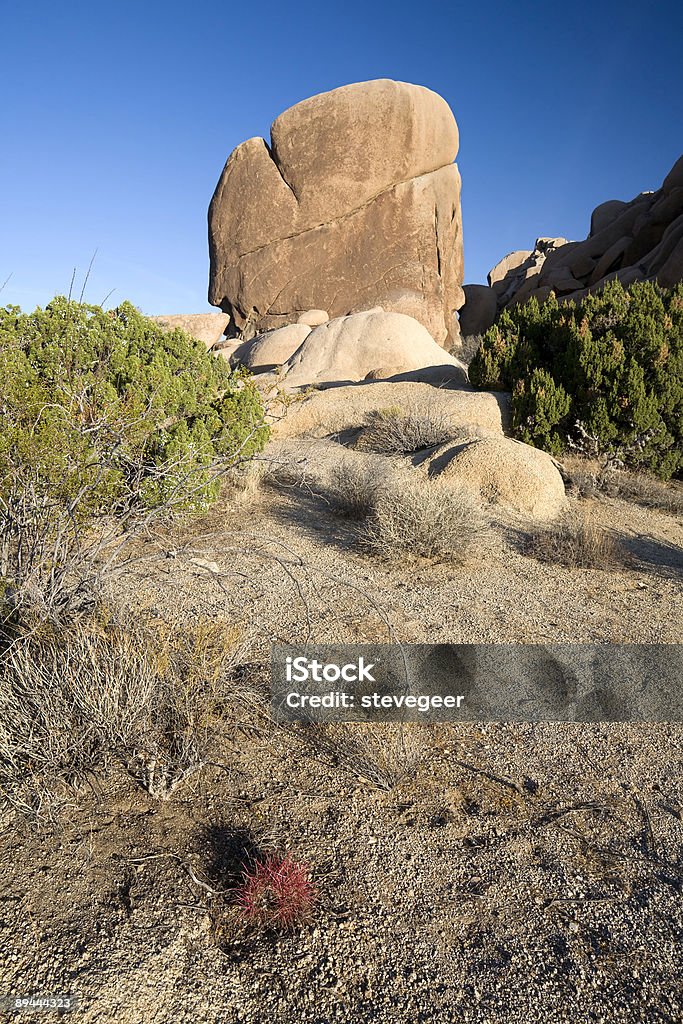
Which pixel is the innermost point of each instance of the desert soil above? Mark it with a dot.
(476, 873)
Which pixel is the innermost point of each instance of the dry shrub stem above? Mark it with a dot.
(577, 543)
(415, 516)
(93, 696)
(397, 431)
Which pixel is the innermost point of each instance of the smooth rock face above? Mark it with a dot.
(207, 327)
(604, 214)
(351, 347)
(313, 317)
(508, 263)
(267, 351)
(632, 241)
(504, 472)
(347, 407)
(355, 203)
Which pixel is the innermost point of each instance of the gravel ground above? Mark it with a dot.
(499, 873)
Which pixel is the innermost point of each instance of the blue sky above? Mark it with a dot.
(118, 118)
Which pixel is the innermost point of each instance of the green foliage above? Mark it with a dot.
(612, 363)
(103, 411)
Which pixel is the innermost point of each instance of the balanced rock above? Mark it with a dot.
(355, 202)
(504, 472)
(349, 348)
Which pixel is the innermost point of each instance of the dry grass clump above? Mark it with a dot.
(396, 431)
(577, 543)
(403, 513)
(353, 488)
(76, 702)
(380, 755)
(283, 469)
(591, 479)
(647, 491)
(412, 515)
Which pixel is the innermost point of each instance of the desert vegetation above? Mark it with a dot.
(109, 426)
(608, 367)
(577, 542)
(401, 514)
(108, 423)
(402, 431)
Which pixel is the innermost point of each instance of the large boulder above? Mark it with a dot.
(351, 347)
(479, 311)
(356, 202)
(604, 214)
(347, 407)
(504, 472)
(511, 262)
(269, 350)
(206, 327)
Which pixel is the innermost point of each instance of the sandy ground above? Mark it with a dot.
(499, 873)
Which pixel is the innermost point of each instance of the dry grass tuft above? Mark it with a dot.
(647, 491)
(353, 488)
(577, 543)
(591, 479)
(396, 431)
(77, 702)
(415, 516)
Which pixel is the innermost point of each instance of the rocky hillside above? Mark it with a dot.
(632, 241)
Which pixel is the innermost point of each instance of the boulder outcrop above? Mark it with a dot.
(347, 407)
(270, 350)
(632, 241)
(503, 472)
(355, 202)
(207, 327)
(352, 347)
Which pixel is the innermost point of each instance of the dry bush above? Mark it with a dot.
(380, 755)
(469, 348)
(77, 702)
(415, 516)
(396, 431)
(577, 543)
(648, 491)
(353, 488)
(591, 478)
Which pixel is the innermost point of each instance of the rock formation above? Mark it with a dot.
(633, 241)
(364, 344)
(501, 471)
(207, 327)
(322, 413)
(355, 203)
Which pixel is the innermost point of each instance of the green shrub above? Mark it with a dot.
(108, 400)
(105, 416)
(611, 363)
